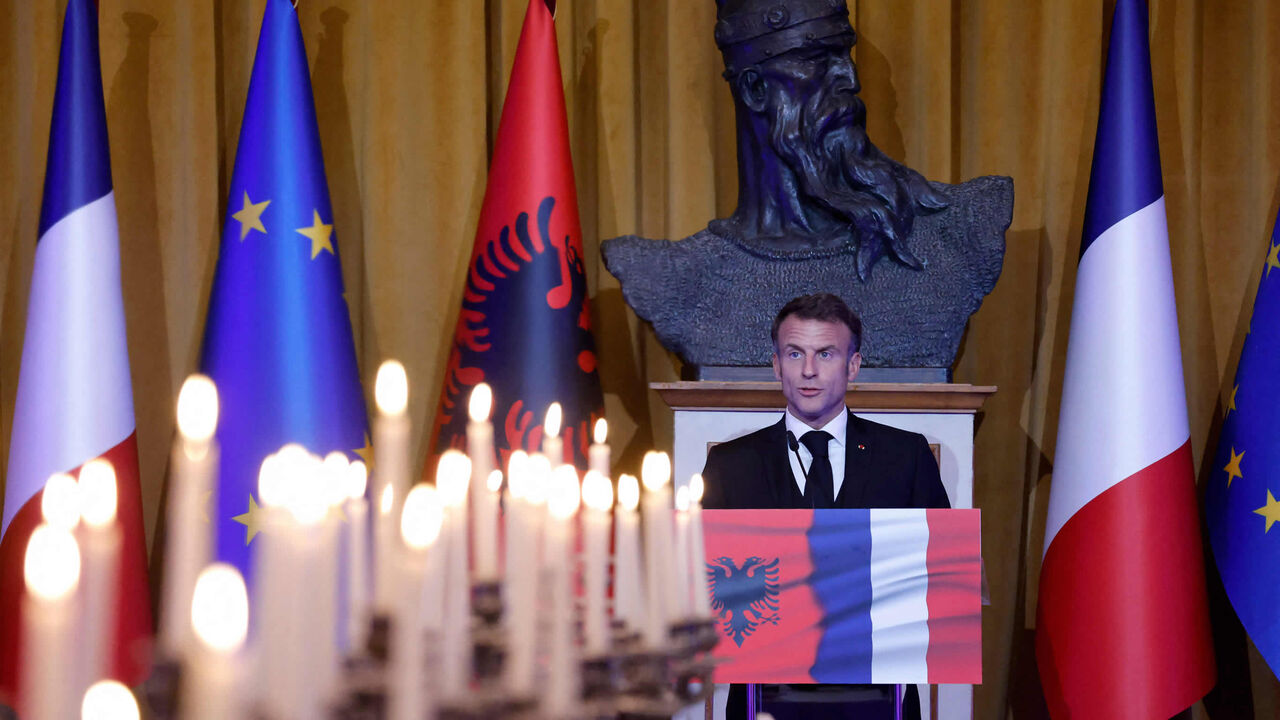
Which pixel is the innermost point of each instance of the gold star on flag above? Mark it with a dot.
(1270, 511)
(366, 452)
(249, 520)
(319, 234)
(1233, 467)
(1231, 404)
(1273, 259)
(250, 216)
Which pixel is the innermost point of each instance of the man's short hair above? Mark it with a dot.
(825, 307)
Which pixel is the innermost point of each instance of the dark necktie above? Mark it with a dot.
(820, 477)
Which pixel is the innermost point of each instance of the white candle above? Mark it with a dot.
(552, 445)
(484, 501)
(598, 453)
(100, 542)
(51, 570)
(220, 620)
(562, 691)
(698, 550)
(681, 555)
(194, 464)
(661, 597)
(391, 449)
(521, 583)
(275, 579)
(332, 476)
(453, 475)
(628, 588)
(109, 700)
(310, 656)
(420, 524)
(357, 536)
(597, 495)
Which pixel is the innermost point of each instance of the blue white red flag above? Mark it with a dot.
(525, 325)
(1122, 627)
(75, 400)
(846, 596)
(1240, 503)
(278, 338)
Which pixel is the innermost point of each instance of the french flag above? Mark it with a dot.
(845, 596)
(74, 400)
(1122, 628)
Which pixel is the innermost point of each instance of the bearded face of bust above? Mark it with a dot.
(804, 115)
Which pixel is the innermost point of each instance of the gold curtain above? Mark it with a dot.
(409, 93)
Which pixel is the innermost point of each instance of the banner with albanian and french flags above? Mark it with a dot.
(1122, 628)
(75, 400)
(845, 596)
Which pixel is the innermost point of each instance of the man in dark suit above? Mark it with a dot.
(820, 455)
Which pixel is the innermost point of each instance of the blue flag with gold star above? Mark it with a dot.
(1241, 508)
(278, 336)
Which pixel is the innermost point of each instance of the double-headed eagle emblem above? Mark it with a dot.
(746, 597)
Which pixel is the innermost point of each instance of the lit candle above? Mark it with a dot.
(628, 592)
(100, 540)
(484, 500)
(274, 578)
(332, 477)
(195, 464)
(310, 652)
(60, 502)
(598, 453)
(563, 498)
(357, 510)
(453, 476)
(109, 700)
(661, 599)
(681, 555)
(420, 524)
(698, 550)
(521, 581)
(597, 495)
(552, 445)
(220, 620)
(391, 474)
(51, 570)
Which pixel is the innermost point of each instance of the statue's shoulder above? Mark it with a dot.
(987, 199)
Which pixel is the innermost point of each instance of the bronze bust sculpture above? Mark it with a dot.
(819, 208)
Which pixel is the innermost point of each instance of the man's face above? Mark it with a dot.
(813, 361)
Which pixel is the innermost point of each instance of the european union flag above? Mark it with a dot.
(278, 337)
(1240, 502)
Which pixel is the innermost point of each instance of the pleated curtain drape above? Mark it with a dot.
(409, 93)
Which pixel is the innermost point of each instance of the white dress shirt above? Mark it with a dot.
(838, 427)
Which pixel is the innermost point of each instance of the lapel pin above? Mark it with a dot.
(861, 446)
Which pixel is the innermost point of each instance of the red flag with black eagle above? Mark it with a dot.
(525, 326)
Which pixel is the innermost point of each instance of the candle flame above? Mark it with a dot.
(273, 486)
(220, 608)
(60, 503)
(422, 517)
(655, 470)
(357, 479)
(387, 500)
(629, 492)
(307, 504)
(554, 417)
(597, 491)
(98, 493)
(198, 408)
(564, 494)
(682, 499)
(108, 700)
(333, 477)
(391, 388)
(51, 567)
(481, 403)
(696, 488)
(601, 431)
(518, 474)
(494, 482)
(453, 476)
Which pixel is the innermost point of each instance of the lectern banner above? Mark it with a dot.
(846, 596)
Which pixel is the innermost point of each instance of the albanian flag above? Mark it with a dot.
(524, 327)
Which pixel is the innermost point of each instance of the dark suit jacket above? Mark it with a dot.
(884, 468)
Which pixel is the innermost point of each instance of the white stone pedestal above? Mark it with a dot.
(711, 412)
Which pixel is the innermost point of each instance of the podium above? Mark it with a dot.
(709, 412)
